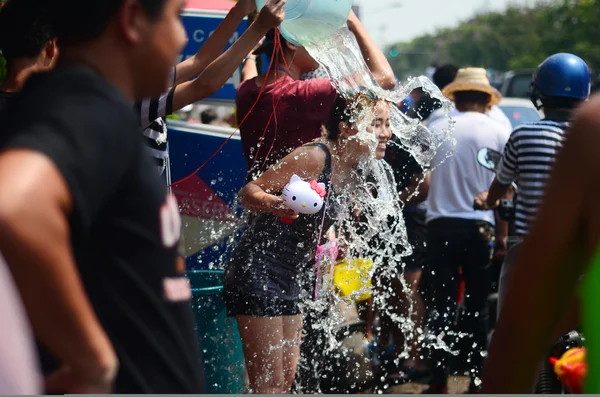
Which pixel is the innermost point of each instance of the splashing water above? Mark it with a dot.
(379, 234)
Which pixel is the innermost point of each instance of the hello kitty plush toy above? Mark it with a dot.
(303, 197)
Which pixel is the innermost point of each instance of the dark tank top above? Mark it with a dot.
(274, 259)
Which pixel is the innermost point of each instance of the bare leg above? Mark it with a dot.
(292, 334)
(263, 341)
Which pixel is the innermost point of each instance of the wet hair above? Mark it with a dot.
(78, 22)
(268, 45)
(25, 29)
(208, 116)
(462, 98)
(444, 75)
(339, 113)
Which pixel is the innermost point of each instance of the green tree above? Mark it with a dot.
(516, 38)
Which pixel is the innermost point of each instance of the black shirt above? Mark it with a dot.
(5, 97)
(403, 163)
(124, 228)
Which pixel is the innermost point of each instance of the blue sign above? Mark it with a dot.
(208, 199)
(199, 26)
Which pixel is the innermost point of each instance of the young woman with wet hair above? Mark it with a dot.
(264, 278)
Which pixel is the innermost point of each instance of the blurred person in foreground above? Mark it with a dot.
(27, 42)
(561, 246)
(459, 237)
(90, 236)
(19, 367)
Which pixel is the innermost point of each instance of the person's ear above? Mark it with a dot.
(51, 49)
(344, 129)
(50, 54)
(291, 47)
(133, 21)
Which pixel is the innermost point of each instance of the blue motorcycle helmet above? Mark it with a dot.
(561, 75)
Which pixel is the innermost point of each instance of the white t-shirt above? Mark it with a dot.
(495, 113)
(457, 177)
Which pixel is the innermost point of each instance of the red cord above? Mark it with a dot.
(287, 70)
(275, 50)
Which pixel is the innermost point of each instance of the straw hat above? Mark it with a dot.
(472, 79)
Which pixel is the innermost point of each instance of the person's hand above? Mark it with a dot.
(480, 202)
(500, 248)
(342, 249)
(67, 381)
(271, 15)
(246, 7)
(277, 206)
(352, 20)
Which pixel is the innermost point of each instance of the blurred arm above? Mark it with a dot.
(36, 242)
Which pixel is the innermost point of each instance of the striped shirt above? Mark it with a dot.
(529, 157)
(152, 112)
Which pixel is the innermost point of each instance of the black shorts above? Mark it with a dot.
(239, 304)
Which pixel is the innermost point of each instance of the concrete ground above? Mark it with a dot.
(456, 385)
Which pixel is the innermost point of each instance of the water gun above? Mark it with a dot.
(571, 369)
(303, 197)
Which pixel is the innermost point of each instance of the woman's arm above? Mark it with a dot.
(549, 266)
(258, 196)
(215, 44)
(218, 72)
(372, 54)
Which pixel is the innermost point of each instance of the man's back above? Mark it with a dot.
(457, 177)
(528, 157)
(124, 231)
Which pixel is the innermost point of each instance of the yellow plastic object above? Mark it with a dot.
(352, 279)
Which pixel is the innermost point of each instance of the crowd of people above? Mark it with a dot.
(93, 290)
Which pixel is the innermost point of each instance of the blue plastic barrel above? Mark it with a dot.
(218, 334)
(308, 21)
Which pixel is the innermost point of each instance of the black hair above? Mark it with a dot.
(268, 45)
(208, 116)
(339, 113)
(25, 29)
(559, 102)
(462, 98)
(444, 75)
(78, 22)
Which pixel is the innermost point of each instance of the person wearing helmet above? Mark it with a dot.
(559, 85)
(562, 244)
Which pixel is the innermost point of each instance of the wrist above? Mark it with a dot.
(238, 11)
(259, 27)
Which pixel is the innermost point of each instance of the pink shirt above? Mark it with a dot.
(19, 368)
(304, 105)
